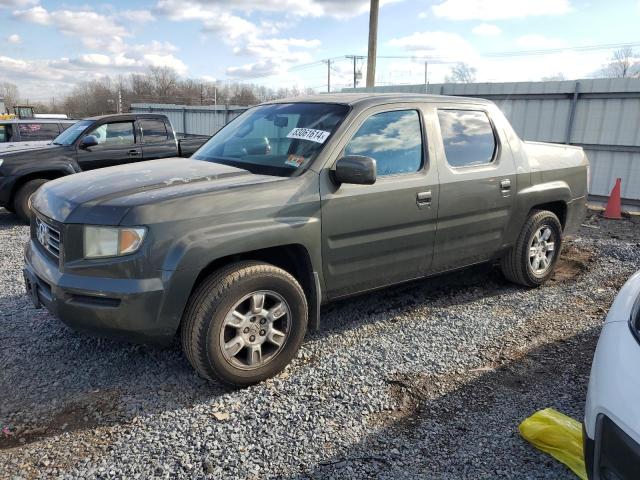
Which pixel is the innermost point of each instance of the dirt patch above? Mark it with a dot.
(573, 261)
(97, 409)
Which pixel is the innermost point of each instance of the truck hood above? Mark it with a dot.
(24, 146)
(104, 196)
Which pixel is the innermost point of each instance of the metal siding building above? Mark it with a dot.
(191, 119)
(601, 115)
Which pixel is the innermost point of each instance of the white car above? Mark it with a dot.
(612, 411)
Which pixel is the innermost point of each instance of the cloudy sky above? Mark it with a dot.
(49, 45)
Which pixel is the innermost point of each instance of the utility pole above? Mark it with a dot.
(119, 101)
(329, 75)
(355, 76)
(373, 43)
(426, 81)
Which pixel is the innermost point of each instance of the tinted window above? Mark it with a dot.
(393, 139)
(467, 136)
(72, 132)
(38, 131)
(119, 133)
(6, 133)
(278, 139)
(153, 131)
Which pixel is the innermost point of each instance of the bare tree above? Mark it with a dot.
(461, 73)
(9, 92)
(624, 63)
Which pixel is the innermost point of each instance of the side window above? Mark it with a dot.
(5, 133)
(38, 131)
(153, 131)
(113, 134)
(393, 139)
(467, 136)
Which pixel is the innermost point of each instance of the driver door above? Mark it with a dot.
(117, 145)
(381, 234)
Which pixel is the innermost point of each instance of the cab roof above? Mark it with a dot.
(372, 99)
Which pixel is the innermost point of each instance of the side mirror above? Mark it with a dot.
(89, 141)
(356, 169)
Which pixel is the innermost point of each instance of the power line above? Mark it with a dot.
(446, 60)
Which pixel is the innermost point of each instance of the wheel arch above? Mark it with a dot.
(50, 174)
(294, 258)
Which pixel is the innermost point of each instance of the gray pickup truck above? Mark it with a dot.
(293, 204)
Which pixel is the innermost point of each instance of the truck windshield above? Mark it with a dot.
(280, 139)
(72, 133)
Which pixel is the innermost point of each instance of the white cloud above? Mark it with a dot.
(486, 30)
(443, 45)
(138, 16)
(202, 9)
(14, 38)
(91, 27)
(535, 41)
(499, 9)
(17, 3)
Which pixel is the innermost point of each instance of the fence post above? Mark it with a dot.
(184, 120)
(572, 113)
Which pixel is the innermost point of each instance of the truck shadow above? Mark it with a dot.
(463, 420)
(71, 381)
(9, 220)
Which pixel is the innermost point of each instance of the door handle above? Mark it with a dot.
(505, 184)
(423, 198)
(133, 153)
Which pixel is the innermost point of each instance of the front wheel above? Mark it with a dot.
(244, 323)
(21, 198)
(531, 260)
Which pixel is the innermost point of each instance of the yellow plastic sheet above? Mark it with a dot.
(558, 435)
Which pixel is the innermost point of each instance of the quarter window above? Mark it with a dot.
(467, 136)
(153, 131)
(392, 139)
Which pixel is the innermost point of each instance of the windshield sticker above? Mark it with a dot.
(318, 136)
(294, 160)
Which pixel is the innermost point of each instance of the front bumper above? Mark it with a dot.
(612, 455)
(6, 186)
(612, 410)
(135, 310)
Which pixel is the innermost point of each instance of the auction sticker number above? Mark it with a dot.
(318, 136)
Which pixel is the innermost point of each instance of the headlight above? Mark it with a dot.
(112, 241)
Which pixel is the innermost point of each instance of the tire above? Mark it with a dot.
(237, 288)
(21, 198)
(518, 264)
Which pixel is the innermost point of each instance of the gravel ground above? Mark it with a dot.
(426, 380)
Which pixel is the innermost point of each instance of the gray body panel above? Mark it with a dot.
(352, 238)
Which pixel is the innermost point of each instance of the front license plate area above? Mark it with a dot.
(31, 286)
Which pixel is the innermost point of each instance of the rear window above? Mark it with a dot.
(467, 136)
(38, 131)
(153, 131)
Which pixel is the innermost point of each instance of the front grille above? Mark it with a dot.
(48, 237)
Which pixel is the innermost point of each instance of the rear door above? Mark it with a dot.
(380, 234)
(157, 140)
(477, 181)
(117, 145)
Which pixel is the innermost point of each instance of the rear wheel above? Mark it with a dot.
(21, 198)
(244, 323)
(532, 259)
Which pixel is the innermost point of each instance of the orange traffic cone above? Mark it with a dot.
(613, 209)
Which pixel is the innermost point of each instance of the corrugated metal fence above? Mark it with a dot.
(191, 119)
(601, 115)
